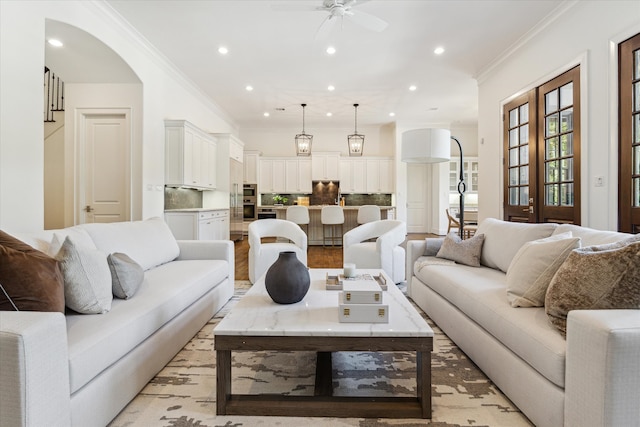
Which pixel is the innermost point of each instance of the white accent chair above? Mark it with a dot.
(384, 252)
(263, 255)
(368, 213)
(299, 215)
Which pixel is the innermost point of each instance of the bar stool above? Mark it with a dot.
(331, 216)
(299, 215)
(368, 213)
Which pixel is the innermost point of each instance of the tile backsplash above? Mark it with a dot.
(182, 198)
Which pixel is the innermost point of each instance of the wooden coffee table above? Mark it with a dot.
(256, 323)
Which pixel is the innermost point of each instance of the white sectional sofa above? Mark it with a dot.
(591, 378)
(83, 369)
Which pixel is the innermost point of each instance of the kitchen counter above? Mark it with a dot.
(319, 207)
(196, 209)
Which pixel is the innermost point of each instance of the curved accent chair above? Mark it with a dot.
(263, 255)
(368, 213)
(384, 252)
(299, 215)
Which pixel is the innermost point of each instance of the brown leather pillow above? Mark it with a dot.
(31, 278)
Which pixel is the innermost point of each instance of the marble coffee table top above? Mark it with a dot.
(317, 314)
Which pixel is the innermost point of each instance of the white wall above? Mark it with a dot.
(166, 95)
(584, 34)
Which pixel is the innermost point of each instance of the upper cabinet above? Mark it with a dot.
(190, 156)
(380, 178)
(353, 178)
(284, 175)
(251, 159)
(298, 176)
(271, 175)
(324, 166)
(230, 149)
(470, 174)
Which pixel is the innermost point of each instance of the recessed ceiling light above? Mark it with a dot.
(412, 88)
(331, 50)
(392, 114)
(439, 50)
(331, 88)
(249, 88)
(55, 42)
(329, 114)
(266, 114)
(223, 50)
(433, 109)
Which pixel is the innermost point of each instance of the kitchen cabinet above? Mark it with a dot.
(190, 156)
(298, 176)
(353, 176)
(272, 176)
(380, 177)
(199, 224)
(325, 166)
(251, 159)
(471, 167)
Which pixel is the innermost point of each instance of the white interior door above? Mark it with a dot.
(105, 178)
(417, 197)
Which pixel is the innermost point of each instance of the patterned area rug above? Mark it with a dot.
(183, 394)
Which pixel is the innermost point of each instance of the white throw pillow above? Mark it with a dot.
(534, 266)
(87, 278)
(126, 275)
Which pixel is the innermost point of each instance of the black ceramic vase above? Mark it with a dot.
(287, 280)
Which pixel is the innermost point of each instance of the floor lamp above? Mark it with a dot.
(433, 146)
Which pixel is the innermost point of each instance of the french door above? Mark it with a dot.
(542, 153)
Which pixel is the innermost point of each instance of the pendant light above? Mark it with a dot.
(303, 141)
(355, 141)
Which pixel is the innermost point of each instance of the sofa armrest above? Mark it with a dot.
(209, 249)
(34, 369)
(415, 249)
(602, 384)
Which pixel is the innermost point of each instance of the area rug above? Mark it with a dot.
(183, 394)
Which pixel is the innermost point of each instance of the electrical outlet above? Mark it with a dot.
(599, 181)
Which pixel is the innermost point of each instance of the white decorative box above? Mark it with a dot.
(363, 313)
(361, 292)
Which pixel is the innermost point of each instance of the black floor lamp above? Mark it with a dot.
(433, 146)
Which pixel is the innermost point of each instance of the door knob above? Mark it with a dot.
(88, 208)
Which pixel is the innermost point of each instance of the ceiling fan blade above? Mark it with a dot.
(325, 28)
(294, 7)
(367, 21)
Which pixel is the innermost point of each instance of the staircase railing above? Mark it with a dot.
(53, 94)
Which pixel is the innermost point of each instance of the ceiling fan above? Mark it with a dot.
(339, 10)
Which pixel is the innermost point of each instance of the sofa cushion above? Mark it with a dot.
(31, 279)
(502, 239)
(590, 236)
(87, 279)
(480, 294)
(533, 267)
(596, 278)
(465, 252)
(126, 275)
(149, 243)
(96, 342)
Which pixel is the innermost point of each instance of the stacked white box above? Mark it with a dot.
(361, 301)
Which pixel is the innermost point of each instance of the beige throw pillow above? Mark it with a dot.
(462, 251)
(533, 267)
(595, 278)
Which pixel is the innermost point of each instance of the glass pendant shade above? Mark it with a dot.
(355, 141)
(303, 141)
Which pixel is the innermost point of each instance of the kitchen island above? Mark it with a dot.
(315, 225)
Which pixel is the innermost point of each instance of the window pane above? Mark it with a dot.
(566, 194)
(566, 169)
(524, 196)
(566, 120)
(551, 151)
(636, 128)
(513, 157)
(566, 145)
(513, 196)
(551, 125)
(551, 101)
(513, 176)
(551, 171)
(636, 192)
(636, 97)
(524, 154)
(524, 113)
(551, 195)
(513, 118)
(524, 134)
(513, 137)
(636, 160)
(524, 175)
(636, 64)
(566, 95)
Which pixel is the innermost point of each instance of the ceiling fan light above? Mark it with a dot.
(355, 141)
(303, 141)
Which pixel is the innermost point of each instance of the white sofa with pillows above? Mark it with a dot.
(530, 284)
(81, 365)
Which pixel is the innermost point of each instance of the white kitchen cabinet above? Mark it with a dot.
(250, 166)
(471, 167)
(352, 176)
(190, 156)
(325, 166)
(199, 225)
(272, 176)
(297, 176)
(380, 177)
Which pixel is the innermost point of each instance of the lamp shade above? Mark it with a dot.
(426, 146)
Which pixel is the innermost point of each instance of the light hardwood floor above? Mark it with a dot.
(317, 256)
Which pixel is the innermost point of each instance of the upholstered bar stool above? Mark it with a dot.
(368, 213)
(331, 217)
(300, 216)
